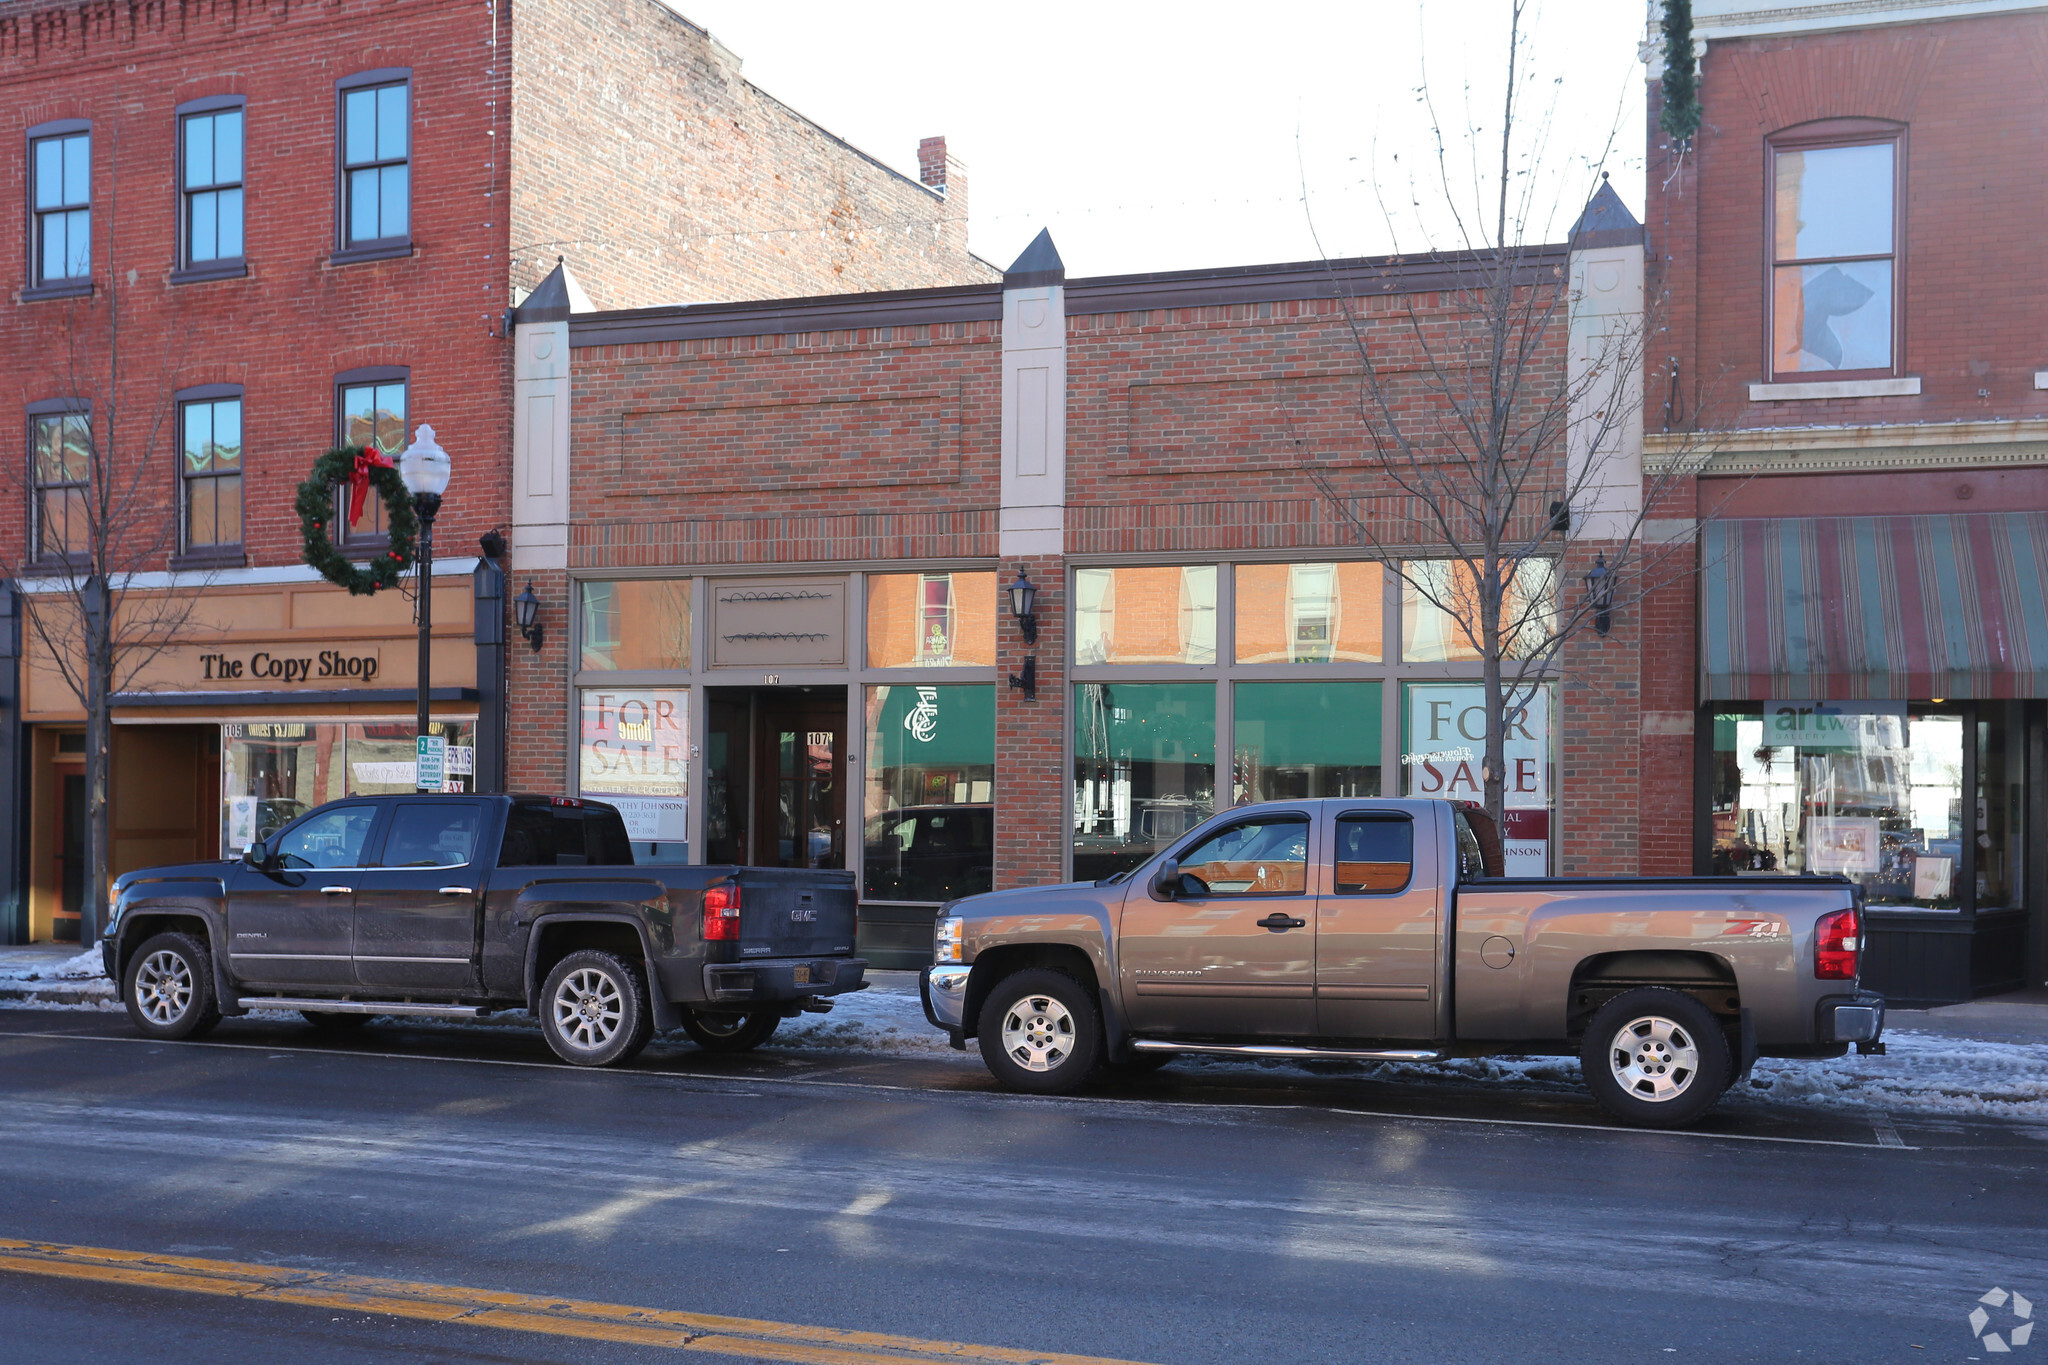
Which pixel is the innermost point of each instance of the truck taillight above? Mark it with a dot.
(1838, 941)
(721, 912)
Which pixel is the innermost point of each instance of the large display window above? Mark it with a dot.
(1297, 740)
(1440, 597)
(930, 793)
(1144, 770)
(1309, 613)
(1443, 753)
(635, 623)
(633, 752)
(1900, 797)
(1162, 615)
(273, 771)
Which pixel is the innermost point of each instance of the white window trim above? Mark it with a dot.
(1835, 388)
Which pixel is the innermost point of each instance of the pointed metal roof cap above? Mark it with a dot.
(1606, 222)
(554, 298)
(1039, 265)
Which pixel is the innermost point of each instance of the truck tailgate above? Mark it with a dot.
(795, 912)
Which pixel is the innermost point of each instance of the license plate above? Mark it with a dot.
(803, 976)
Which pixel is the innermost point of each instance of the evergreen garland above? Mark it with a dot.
(1681, 116)
(316, 510)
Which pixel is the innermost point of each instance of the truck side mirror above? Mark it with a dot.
(1167, 883)
(255, 855)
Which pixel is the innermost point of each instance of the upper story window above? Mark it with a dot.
(1834, 212)
(61, 169)
(210, 473)
(210, 178)
(371, 411)
(376, 166)
(60, 463)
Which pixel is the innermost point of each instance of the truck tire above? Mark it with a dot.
(1655, 1057)
(1040, 1033)
(594, 1011)
(169, 988)
(333, 1021)
(729, 1032)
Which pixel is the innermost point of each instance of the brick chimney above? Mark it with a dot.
(932, 162)
(947, 174)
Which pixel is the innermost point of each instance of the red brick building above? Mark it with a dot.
(1844, 262)
(784, 631)
(310, 220)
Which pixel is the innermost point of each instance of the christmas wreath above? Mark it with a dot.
(362, 468)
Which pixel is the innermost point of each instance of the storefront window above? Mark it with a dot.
(930, 793)
(1145, 616)
(1873, 791)
(1297, 740)
(636, 623)
(273, 771)
(2001, 803)
(1440, 601)
(1144, 770)
(1309, 613)
(931, 620)
(1443, 754)
(633, 753)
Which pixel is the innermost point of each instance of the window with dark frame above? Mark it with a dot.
(210, 176)
(371, 412)
(61, 168)
(210, 474)
(376, 167)
(60, 466)
(1834, 248)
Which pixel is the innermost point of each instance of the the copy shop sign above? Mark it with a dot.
(1446, 749)
(635, 746)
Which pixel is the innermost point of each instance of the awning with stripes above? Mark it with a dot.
(1903, 608)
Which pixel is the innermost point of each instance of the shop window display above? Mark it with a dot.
(633, 749)
(1297, 740)
(931, 620)
(1144, 770)
(930, 793)
(1874, 792)
(1309, 613)
(641, 623)
(1153, 615)
(274, 771)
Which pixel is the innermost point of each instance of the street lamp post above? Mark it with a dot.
(423, 466)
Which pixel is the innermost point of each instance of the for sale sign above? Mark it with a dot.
(1444, 753)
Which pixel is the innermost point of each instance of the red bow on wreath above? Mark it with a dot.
(367, 458)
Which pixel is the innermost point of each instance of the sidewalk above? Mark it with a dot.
(2019, 1017)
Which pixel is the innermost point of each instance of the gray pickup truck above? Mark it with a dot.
(1382, 930)
(458, 906)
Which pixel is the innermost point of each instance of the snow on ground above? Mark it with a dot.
(1922, 1073)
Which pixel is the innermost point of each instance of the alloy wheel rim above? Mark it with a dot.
(164, 987)
(722, 1028)
(1653, 1058)
(1038, 1033)
(590, 1009)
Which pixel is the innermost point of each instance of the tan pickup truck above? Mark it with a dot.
(1381, 930)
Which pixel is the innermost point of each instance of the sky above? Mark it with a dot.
(1166, 137)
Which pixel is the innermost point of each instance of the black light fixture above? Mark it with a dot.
(1027, 682)
(1024, 605)
(1600, 594)
(526, 611)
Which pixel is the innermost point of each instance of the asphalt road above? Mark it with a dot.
(1180, 1218)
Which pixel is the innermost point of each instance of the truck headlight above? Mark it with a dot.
(946, 939)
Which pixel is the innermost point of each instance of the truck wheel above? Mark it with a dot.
(333, 1022)
(1040, 1033)
(729, 1032)
(593, 1009)
(169, 990)
(1655, 1057)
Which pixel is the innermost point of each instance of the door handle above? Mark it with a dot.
(337, 890)
(458, 891)
(1280, 923)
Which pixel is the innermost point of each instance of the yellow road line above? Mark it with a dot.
(705, 1332)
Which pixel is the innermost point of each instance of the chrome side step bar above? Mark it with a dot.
(279, 1002)
(1287, 1051)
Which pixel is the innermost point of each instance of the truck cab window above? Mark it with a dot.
(1375, 856)
(1258, 858)
(432, 834)
(332, 838)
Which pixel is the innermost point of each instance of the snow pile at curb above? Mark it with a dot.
(86, 965)
(869, 1021)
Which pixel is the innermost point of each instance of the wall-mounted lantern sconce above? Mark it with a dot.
(1024, 605)
(1027, 681)
(526, 611)
(1600, 594)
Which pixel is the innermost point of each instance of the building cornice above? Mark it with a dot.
(1824, 450)
(1716, 22)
